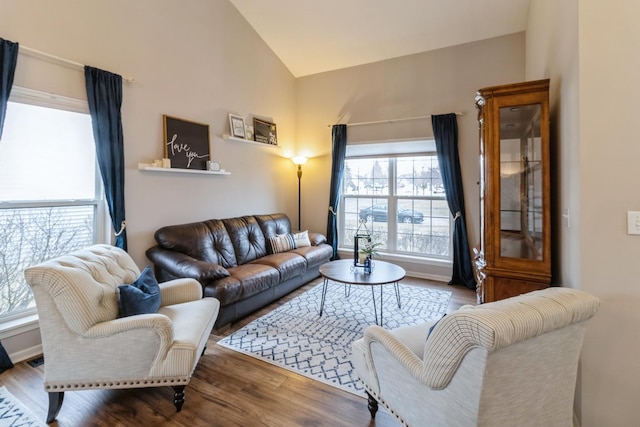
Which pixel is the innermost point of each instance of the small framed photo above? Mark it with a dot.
(236, 124)
(265, 132)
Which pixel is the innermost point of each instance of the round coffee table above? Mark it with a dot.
(343, 271)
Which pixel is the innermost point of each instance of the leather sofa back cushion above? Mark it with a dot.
(206, 241)
(247, 238)
(274, 224)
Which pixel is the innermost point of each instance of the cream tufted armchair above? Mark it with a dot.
(86, 345)
(507, 363)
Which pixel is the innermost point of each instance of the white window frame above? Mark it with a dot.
(388, 149)
(26, 320)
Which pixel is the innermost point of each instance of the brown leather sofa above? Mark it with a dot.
(234, 260)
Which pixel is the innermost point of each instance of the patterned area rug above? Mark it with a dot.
(295, 337)
(14, 413)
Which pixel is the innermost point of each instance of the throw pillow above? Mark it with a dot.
(140, 297)
(302, 239)
(282, 243)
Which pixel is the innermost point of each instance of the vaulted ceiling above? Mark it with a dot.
(313, 36)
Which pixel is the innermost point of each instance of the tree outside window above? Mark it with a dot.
(401, 201)
(50, 199)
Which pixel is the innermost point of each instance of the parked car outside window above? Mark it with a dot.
(379, 213)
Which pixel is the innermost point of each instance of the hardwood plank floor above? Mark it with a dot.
(228, 389)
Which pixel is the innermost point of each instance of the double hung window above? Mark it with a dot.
(50, 190)
(400, 199)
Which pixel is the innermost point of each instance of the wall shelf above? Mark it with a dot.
(227, 137)
(178, 170)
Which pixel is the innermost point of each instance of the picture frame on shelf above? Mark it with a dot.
(236, 126)
(265, 132)
(186, 143)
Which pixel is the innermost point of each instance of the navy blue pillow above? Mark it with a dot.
(140, 297)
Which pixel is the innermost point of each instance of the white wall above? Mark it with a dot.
(437, 82)
(590, 51)
(197, 60)
(553, 34)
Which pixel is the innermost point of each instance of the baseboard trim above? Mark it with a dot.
(26, 354)
(426, 276)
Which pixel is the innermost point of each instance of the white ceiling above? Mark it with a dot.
(313, 36)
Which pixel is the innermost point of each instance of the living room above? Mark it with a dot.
(204, 61)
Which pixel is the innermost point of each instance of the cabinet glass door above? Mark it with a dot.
(521, 234)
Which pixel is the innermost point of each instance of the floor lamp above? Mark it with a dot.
(299, 161)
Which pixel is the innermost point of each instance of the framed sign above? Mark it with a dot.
(265, 132)
(186, 143)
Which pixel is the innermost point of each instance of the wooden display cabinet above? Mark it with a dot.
(514, 256)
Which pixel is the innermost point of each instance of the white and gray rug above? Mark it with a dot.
(295, 337)
(14, 413)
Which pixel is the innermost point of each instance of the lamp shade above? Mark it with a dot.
(299, 160)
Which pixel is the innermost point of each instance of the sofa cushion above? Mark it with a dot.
(274, 224)
(288, 264)
(281, 243)
(245, 280)
(140, 297)
(315, 255)
(190, 321)
(247, 238)
(206, 241)
(223, 249)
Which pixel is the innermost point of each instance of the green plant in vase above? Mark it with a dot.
(367, 252)
(369, 249)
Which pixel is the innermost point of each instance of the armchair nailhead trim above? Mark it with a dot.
(117, 384)
(381, 401)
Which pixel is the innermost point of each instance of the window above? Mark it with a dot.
(400, 197)
(50, 192)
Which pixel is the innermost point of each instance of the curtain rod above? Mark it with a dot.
(47, 56)
(394, 120)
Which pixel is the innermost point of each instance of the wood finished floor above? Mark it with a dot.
(227, 389)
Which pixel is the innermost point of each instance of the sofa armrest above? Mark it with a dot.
(180, 290)
(182, 265)
(160, 323)
(393, 346)
(130, 329)
(317, 239)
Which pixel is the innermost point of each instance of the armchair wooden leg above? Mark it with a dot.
(372, 405)
(55, 403)
(178, 396)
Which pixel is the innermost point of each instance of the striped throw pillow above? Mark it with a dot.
(282, 243)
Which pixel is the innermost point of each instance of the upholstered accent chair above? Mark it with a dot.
(87, 346)
(507, 363)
